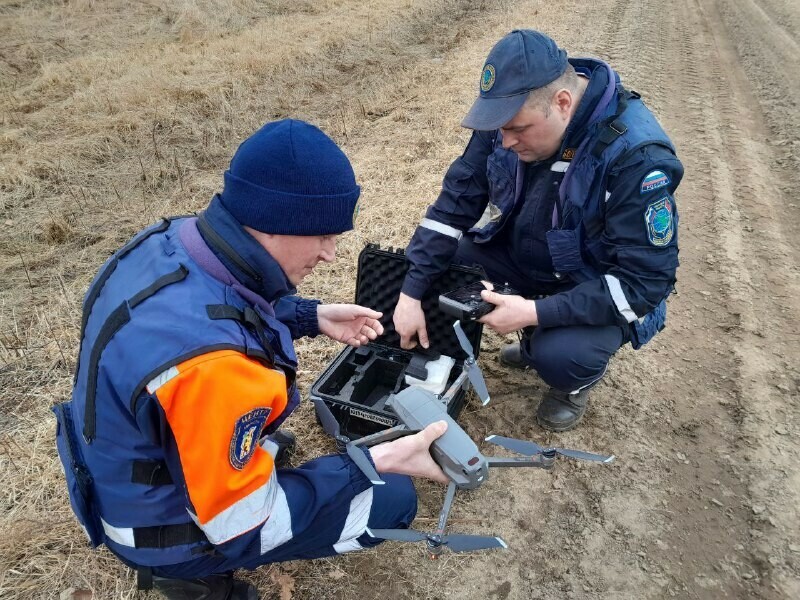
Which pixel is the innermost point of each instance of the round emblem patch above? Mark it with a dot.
(245, 436)
(487, 79)
(660, 220)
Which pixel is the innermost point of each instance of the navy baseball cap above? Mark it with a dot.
(522, 61)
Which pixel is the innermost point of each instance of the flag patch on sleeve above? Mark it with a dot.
(654, 180)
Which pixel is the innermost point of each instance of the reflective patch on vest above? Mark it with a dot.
(654, 180)
(245, 436)
(660, 220)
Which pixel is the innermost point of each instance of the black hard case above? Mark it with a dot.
(358, 382)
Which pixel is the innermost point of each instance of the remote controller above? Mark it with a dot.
(466, 303)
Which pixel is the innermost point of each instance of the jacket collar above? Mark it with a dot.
(244, 257)
(598, 75)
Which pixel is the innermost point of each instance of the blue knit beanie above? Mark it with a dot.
(289, 178)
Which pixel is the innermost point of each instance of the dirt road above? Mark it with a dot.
(113, 115)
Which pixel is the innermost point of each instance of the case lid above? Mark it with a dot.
(380, 278)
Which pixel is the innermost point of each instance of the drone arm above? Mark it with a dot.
(457, 385)
(448, 504)
(387, 435)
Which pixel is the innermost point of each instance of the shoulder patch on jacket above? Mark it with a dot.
(653, 180)
(659, 217)
(245, 436)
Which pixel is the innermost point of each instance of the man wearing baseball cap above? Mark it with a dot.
(170, 444)
(565, 192)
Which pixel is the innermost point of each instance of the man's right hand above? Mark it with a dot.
(409, 322)
(411, 455)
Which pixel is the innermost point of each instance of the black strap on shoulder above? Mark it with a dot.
(150, 472)
(103, 276)
(614, 127)
(224, 311)
(166, 536)
(94, 292)
(113, 324)
(177, 275)
(249, 318)
(116, 320)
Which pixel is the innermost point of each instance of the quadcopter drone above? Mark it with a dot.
(455, 452)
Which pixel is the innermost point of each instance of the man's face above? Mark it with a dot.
(297, 254)
(534, 135)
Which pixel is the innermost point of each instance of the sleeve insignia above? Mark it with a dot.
(660, 221)
(245, 436)
(654, 180)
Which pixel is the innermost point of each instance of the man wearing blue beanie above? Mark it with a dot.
(565, 192)
(186, 370)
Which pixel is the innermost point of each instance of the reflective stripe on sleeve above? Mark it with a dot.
(244, 515)
(441, 228)
(618, 296)
(560, 166)
(356, 523)
(278, 528)
(161, 379)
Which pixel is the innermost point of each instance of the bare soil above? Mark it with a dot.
(115, 113)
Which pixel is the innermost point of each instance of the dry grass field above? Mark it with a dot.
(115, 113)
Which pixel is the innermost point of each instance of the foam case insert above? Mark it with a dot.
(358, 382)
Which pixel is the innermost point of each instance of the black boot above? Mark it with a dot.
(213, 587)
(511, 356)
(286, 442)
(561, 411)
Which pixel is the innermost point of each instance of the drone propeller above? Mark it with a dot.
(532, 449)
(473, 370)
(456, 542)
(331, 426)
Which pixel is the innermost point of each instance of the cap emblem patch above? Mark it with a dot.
(245, 436)
(487, 79)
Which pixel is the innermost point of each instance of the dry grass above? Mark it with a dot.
(115, 113)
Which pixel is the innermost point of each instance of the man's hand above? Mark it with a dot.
(512, 312)
(409, 322)
(349, 323)
(411, 455)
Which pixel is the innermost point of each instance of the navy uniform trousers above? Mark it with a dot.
(566, 358)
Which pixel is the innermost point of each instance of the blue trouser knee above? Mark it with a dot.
(572, 358)
(394, 505)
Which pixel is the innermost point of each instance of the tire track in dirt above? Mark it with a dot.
(734, 174)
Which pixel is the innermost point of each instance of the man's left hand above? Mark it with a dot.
(511, 312)
(349, 323)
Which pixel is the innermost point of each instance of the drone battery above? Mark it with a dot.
(437, 374)
(357, 384)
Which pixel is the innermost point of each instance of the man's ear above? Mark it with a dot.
(563, 101)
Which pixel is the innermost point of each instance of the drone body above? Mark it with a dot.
(454, 452)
